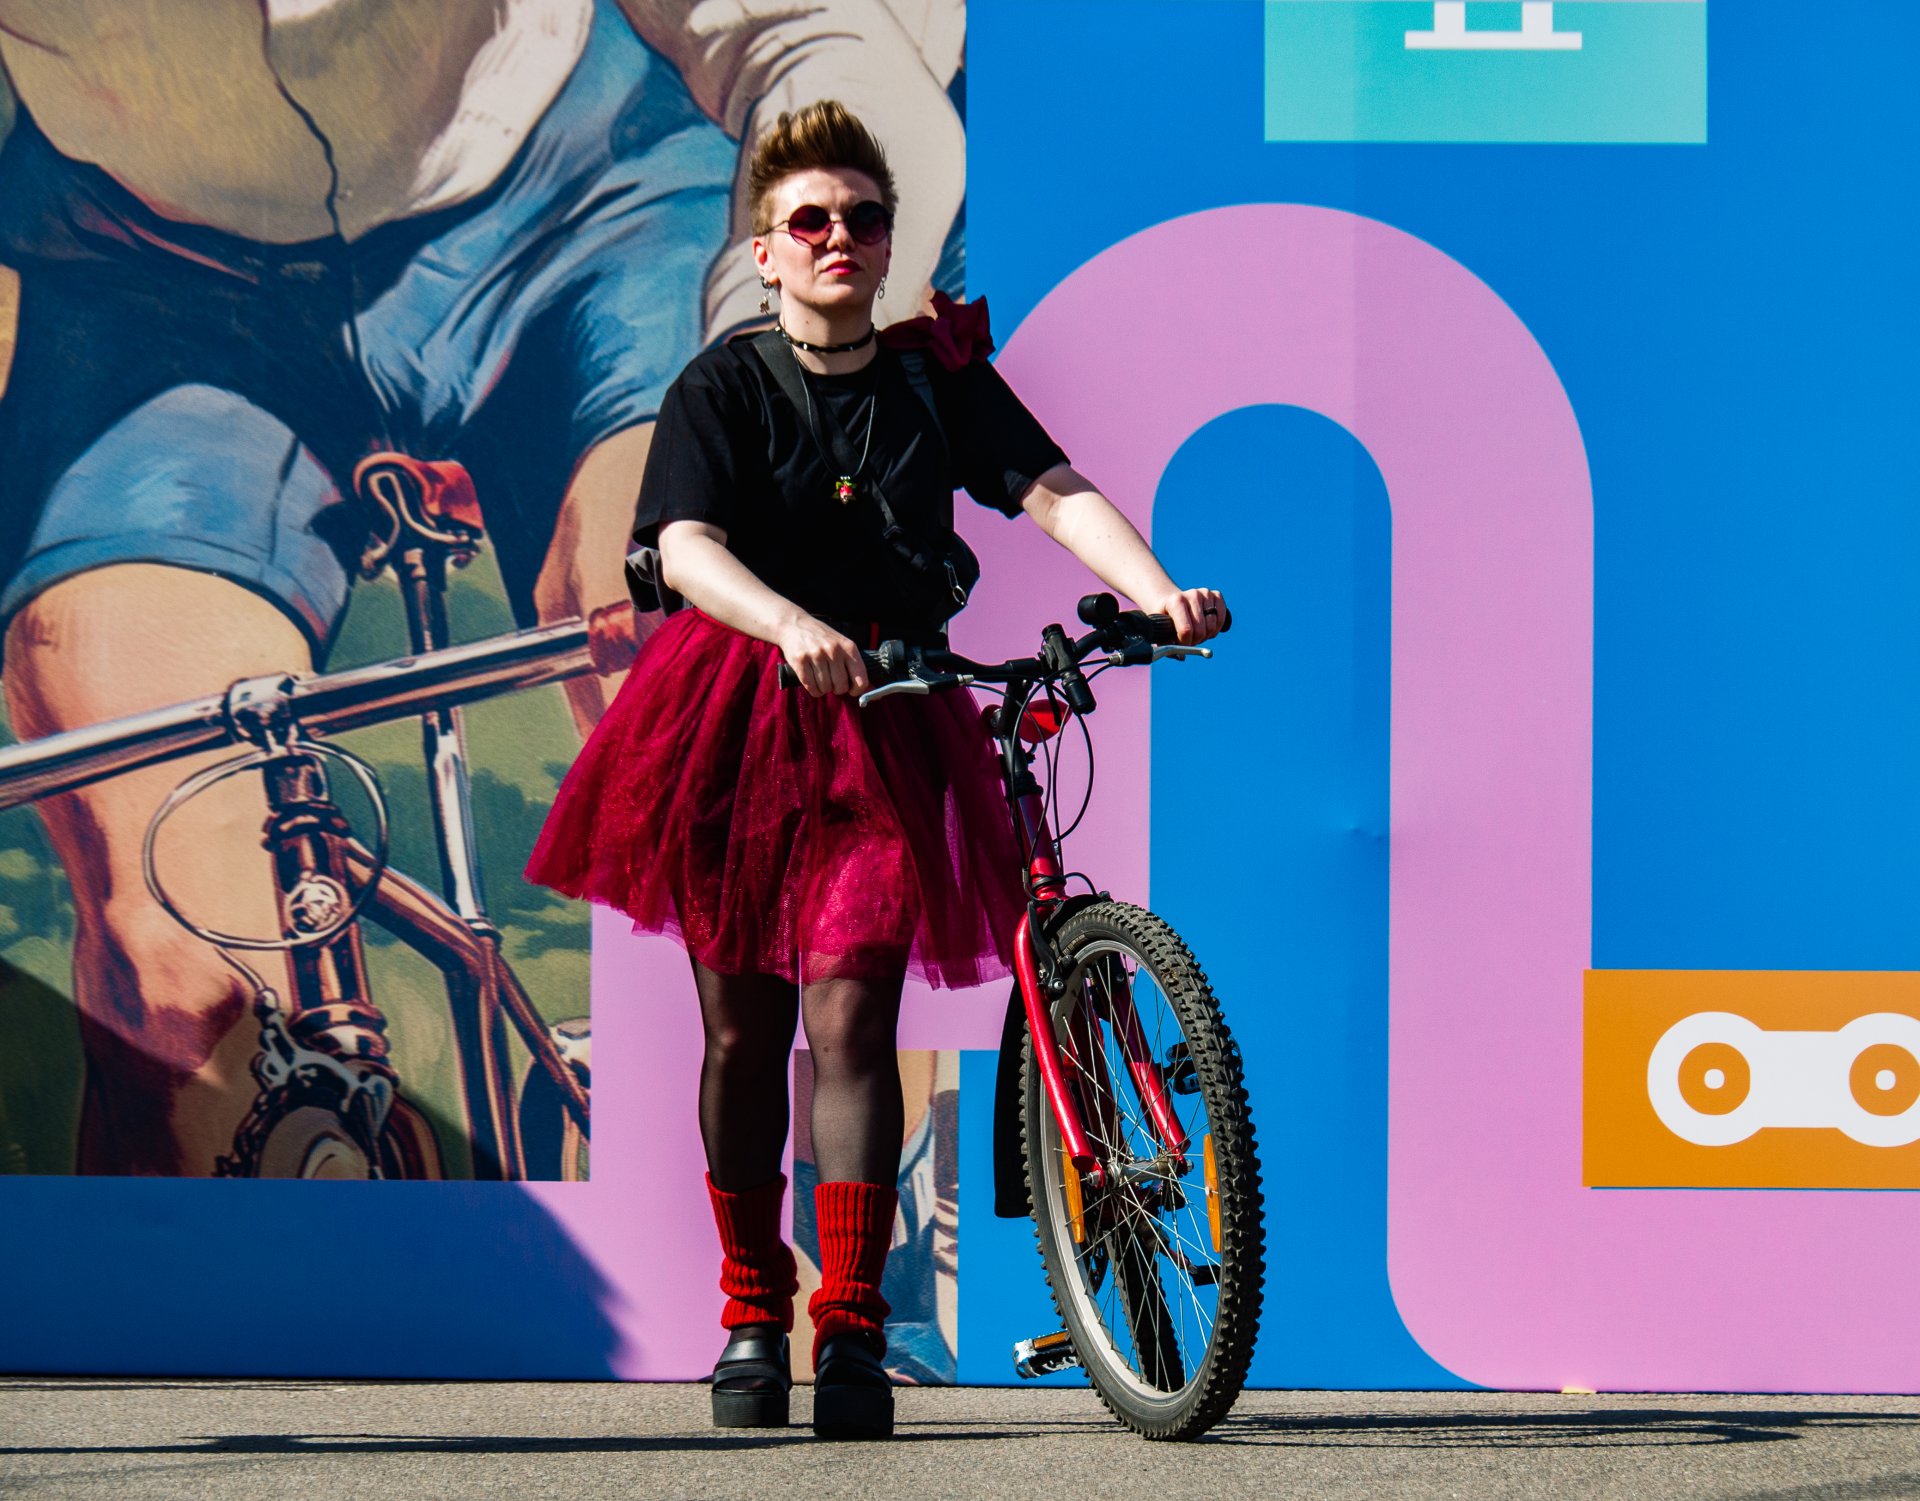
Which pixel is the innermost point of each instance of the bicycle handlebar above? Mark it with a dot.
(1132, 638)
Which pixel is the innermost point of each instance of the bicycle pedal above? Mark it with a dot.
(1045, 1355)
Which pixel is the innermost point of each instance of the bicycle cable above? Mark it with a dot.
(1086, 800)
(247, 972)
(1053, 774)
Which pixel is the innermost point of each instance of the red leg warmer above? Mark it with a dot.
(856, 1228)
(756, 1265)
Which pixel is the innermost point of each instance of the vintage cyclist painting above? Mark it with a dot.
(305, 307)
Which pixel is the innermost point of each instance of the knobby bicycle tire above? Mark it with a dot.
(1152, 1381)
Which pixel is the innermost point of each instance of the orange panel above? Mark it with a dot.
(1866, 1083)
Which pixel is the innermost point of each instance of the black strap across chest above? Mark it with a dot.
(837, 447)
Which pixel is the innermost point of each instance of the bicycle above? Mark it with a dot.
(1111, 1026)
(329, 1102)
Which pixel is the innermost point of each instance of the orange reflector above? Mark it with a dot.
(1213, 1192)
(1076, 1207)
(1052, 1341)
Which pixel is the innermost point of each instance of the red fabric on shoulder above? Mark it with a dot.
(956, 334)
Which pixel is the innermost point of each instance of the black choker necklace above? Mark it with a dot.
(860, 343)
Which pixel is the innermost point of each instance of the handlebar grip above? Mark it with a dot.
(1160, 629)
(882, 665)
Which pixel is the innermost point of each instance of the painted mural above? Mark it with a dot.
(331, 334)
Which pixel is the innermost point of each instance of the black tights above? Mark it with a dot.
(744, 1110)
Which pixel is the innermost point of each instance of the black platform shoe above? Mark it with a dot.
(751, 1379)
(852, 1393)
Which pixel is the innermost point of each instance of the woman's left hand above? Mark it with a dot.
(1198, 614)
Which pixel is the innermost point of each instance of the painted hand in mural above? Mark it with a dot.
(890, 61)
(255, 243)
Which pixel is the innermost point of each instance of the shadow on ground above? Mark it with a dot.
(1585, 1428)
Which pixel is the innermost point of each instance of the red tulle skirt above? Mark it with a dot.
(776, 833)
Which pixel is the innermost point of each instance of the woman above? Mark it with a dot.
(808, 853)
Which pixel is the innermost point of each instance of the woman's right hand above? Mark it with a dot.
(824, 660)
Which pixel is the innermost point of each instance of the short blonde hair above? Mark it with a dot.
(823, 135)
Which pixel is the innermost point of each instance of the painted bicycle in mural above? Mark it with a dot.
(331, 1102)
(1121, 1090)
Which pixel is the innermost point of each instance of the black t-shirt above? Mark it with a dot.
(731, 450)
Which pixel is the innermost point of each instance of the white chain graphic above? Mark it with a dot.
(1743, 1079)
(1536, 33)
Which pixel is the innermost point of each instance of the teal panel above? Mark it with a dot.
(1347, 70)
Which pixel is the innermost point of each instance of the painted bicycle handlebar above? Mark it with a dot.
(326, 704)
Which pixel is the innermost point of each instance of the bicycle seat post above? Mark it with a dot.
(426, 517)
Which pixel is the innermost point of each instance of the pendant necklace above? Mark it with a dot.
(845, 486)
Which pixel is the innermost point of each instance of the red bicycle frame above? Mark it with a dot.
(1045, 881)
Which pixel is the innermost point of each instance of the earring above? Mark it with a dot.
(766, 294)
(883, 288)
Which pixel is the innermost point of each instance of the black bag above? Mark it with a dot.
(934, 569)
(645, 585)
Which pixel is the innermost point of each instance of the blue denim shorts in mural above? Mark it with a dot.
(179, 395)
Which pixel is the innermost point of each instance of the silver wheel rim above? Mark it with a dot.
(1192, 1309)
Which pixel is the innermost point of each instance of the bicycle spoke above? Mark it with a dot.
(1152, 1225)
(1135, 1240)
(1190, 1309)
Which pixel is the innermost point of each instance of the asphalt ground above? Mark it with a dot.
(212, 1440)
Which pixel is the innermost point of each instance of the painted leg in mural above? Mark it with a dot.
(919, 1082)
(585, 563)
(165, 1021)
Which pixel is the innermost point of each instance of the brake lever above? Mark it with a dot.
(915, 685)
(1124, 659)
(885, 690)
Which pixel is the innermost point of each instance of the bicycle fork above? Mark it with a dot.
(1050, 1353)
(1037, 992)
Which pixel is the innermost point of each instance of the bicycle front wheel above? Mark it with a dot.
(1157, 1270)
